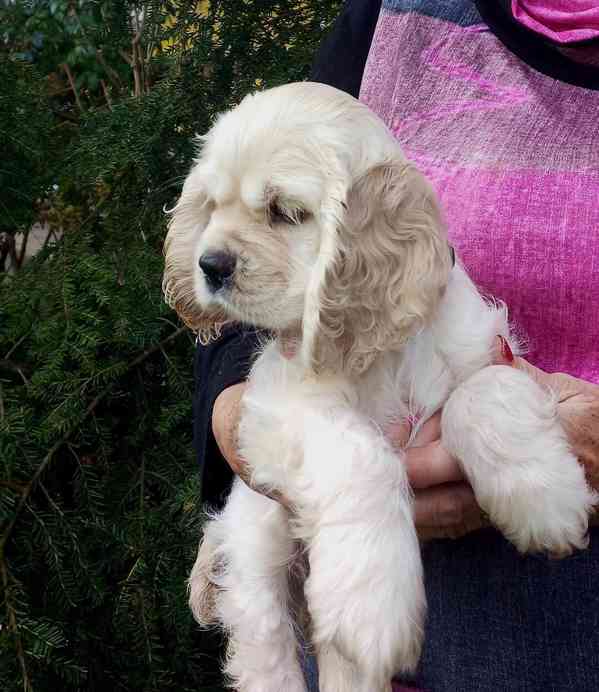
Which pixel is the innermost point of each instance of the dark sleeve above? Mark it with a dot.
(535, 50)
(342, 56)
(219, 365)
(340, 62)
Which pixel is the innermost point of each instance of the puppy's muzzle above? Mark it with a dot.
(218, 268)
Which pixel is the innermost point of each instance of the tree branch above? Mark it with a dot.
(111, 72)
(23, 248)
(135, 65)
(8, 250)
(30, 486)
(49, 236)
(11, 366)
(69, 75)
(126, 58)
(28, 489)
(17, 487)
(13, 627)
(106, 93)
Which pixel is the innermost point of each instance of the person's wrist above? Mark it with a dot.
(225, 421)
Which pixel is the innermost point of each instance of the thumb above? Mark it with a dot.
(398, 432)
(503, 355)
(563, 384)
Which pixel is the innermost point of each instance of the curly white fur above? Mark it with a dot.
(353, 259)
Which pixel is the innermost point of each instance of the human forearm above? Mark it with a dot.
(225, 421)
(226, 415)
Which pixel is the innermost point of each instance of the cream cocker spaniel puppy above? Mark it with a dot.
(302, 216)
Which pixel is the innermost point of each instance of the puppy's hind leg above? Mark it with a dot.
(202, 583)
(504, 430)
(252, 549)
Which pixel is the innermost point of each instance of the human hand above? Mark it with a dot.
(578, 411)
(226, 415)
(444, 502)
(445, 505)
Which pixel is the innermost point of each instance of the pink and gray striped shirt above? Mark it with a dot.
(514, 156)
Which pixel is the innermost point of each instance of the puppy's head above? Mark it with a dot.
(301, 214)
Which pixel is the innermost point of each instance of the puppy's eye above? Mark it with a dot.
(279, 214)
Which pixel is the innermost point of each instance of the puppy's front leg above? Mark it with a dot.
(504, 430)
(337, 674)
(365, 591)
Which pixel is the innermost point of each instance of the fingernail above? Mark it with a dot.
(506, 351)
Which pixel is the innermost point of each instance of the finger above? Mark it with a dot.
(399, 433)
(444, 506)
(448, 511)
(563, 385)
(225, 423)
(473, 522)
(429, 431)
(579, 416)
(270, 493)
(539, 376)
(431, 465)
(503, 355)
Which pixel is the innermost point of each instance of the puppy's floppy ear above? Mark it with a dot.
(189, 218)
(382, 269)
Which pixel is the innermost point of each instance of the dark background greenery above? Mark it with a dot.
(99, 511)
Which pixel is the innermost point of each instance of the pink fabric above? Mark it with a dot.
(514, 157)
(562, 21)
(550, 283)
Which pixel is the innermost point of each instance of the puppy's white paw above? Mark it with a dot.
(544, 507)
(337, 674)
(271, 683)
(389, 641)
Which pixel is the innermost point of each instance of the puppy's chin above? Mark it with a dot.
(272, 315)
(269, 318)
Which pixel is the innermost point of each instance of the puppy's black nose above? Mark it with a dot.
(218, 268)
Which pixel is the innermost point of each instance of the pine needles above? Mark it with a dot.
(99, 511)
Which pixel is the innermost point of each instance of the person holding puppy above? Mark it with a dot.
(496, 103)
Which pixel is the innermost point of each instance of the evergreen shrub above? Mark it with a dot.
(99, 512)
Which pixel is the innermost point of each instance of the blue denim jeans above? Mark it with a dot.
(499, 621)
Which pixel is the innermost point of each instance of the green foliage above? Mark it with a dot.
(99, 507)
(28, 136)
(85, 36)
